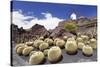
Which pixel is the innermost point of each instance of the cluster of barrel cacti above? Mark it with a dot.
(42, 47)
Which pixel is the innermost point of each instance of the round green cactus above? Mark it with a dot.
(43, 46)
(46, 52)
(55, 40)
(60, 43)
(71, 47)
(19, 50)
(19, 45)
(49, 41)
(65, 38)
(79, 39)
(85, 38)
(93, 43)
(54, 54)
(41, 38)
(36, 58)
(32, 52)
(71, 39)
(78, 34)
(37, 43)
(27, 50)
(87, 50)
(30, 43)
(80, 45)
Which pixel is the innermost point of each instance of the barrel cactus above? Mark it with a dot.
(78, 34)
(79, 39)
(49, 41)
(54, 54)
(30, 43)
(55, 40)
(85, 38)
(19, 45)
(32, 52)
(27, 50)
(71, 39)
(65, 38)
(20, 50)
(37, 43)
(46, 52)
(60, 43)
(87, 50)
(93, 43)
(43, 46)
(36, 58)
(71, 47)
(80, 45)
(41, 38)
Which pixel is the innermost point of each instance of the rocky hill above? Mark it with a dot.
(21, 35)
(85, 25)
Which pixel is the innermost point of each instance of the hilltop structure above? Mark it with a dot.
(73, 16)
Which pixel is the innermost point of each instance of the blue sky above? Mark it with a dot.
(59, 10)
(42, 10)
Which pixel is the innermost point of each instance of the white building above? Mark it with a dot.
(73, 16)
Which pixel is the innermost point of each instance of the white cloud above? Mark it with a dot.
(49, 22)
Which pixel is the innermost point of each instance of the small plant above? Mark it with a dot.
(70, 26)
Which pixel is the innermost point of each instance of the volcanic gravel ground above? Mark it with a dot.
(79, 57)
